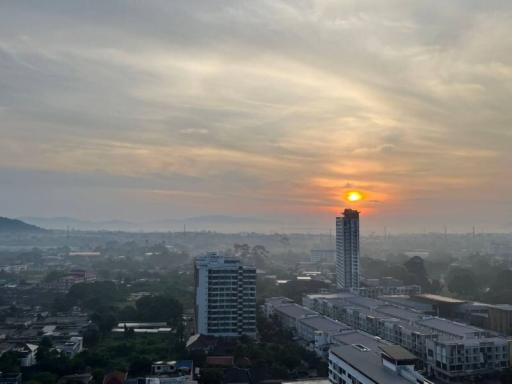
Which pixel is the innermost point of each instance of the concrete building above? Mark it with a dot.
(443, 305)
(274, 302)
(500, 318)
(347, 250)
(449, 350)
(312, 330)
(225, 296)
(26, 354)
(289, 315)
(384, 290)
(357, 363)
(175, 368)
(71, 347)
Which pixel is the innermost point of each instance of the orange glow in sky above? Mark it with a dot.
(354, 196)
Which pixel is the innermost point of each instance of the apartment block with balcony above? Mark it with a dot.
(225, 296)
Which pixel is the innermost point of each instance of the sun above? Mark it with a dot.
(354, 196)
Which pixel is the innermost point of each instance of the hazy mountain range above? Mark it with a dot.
(13, 225)
(218, 223)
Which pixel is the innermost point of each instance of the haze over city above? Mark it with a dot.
(152, 110)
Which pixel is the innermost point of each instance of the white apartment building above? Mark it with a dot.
(225, 296)
(347, 250)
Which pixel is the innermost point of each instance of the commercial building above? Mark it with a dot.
(225, 296)
(384, 290)
(347, 250)
(450, 351)
(443, 305)
(500, 318)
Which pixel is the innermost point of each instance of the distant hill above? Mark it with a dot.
(13, 225)
(219, 223)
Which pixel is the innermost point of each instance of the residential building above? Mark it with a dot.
(382, 290)
(10, 378)
(311, 329)
(177, 368)
(71, 347)
(289, 314)
(449, 350)
(155, 327)
(462, 359)
(26, 353)
(225, 296)
(273, 302)
(357, 363)
(347, 250)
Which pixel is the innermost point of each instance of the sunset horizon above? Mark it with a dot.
(150, 111)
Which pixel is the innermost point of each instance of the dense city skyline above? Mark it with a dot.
(273, 109)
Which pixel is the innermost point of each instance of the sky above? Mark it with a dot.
(148, 110)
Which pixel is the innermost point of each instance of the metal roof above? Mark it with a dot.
(368, 363)
(294, 310)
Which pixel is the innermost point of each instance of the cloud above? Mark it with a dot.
(270, 107)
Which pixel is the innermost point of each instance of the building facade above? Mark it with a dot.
(357, 363)
(225, 296)
(449, 351)
(500, 318)
(347, 250)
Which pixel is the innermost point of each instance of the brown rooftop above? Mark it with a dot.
(397, 352)
(439, 298)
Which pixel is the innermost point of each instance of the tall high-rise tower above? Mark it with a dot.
(225, 302)
(347, 250)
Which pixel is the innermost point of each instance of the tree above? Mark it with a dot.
(140, 365)
(105, 319)
(43, 378)
(9, 362)
(500, 291)
(91, 335)
(159, 308)
(54, 276)
(211, 376)
(416, 267)
(462, 282)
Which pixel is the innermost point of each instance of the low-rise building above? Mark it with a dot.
(26, 353)
(175, 368)
(381, 290)
(312, 329)
(500, 318)
(72, 347)
(357, 363)
(10, 378)
(155, 327)
(449, 350)
(289, 314)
